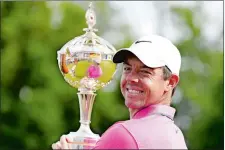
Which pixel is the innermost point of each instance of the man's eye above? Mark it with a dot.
(126, 68)
(145, 72)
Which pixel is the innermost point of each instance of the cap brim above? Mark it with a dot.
(149, 60)
(120, 56)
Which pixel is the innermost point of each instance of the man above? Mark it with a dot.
(150, 75)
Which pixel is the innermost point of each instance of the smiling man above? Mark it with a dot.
(150, 74)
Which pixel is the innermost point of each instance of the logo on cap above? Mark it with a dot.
(142, 41)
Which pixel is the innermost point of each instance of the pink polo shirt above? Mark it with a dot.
(150, 128)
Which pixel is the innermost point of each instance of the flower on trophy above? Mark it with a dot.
(94, 70)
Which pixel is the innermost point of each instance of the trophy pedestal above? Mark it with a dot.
(84, 138)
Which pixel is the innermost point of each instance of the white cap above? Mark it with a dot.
(154, 51)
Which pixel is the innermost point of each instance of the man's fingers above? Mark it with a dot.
(63, 142)
(56, 145)
(53, 146)
(69, 138)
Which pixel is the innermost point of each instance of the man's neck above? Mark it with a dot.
(134, 111)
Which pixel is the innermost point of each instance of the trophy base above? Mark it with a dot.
(83, 143)
(83, 138)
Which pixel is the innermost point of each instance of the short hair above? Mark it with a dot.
(166, 75)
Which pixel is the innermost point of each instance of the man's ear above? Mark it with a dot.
(172, 82)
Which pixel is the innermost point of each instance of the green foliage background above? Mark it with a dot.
(38, 106)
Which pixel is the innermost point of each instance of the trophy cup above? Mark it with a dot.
(86, 64)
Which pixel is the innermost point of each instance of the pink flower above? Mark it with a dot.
(94, 71)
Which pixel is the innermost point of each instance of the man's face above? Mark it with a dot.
(141, 85)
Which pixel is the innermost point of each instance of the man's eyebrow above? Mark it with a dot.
(146, 67)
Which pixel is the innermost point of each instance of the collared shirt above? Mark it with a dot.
(150, 128)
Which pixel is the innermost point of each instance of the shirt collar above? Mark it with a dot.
(163, 110)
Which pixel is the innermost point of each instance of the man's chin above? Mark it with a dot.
(132, 105)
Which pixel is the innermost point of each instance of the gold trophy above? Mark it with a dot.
(86, 64)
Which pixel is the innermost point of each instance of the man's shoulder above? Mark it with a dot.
(147, 129)
(117, 137)
(117, 127)
(141, 130)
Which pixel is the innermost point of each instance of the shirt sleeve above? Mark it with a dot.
(116, 137)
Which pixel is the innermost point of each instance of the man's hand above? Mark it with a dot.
(63, 143)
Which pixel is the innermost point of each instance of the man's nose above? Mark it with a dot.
(132, 77)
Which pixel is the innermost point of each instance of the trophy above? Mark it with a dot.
(86, 63)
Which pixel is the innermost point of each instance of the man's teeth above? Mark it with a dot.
(134, 91)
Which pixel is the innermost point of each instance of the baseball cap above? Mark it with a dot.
(154, 51)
